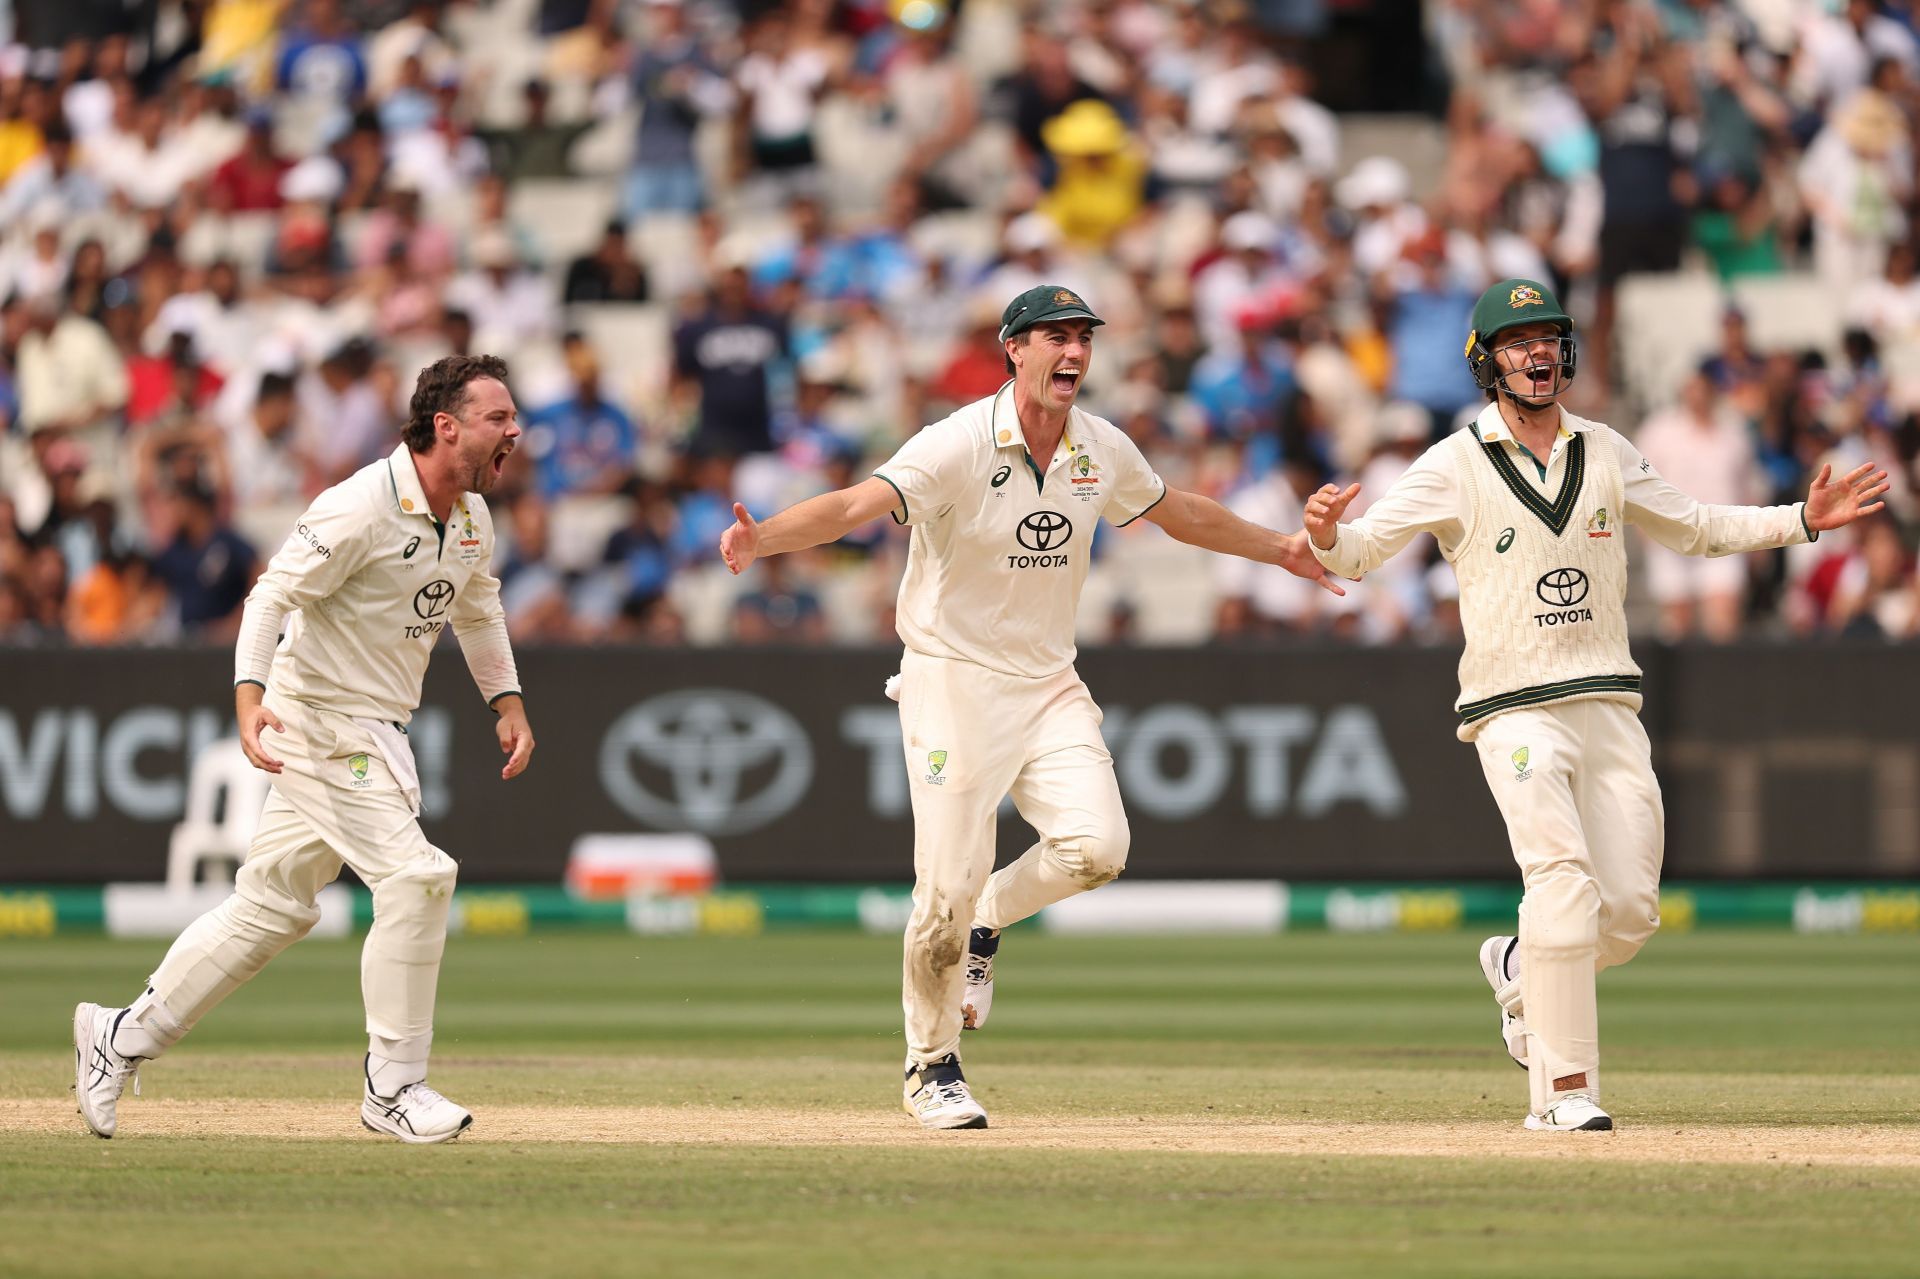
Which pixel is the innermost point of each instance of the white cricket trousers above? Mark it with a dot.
(971, 736)
(338, 802)
(1575, 783)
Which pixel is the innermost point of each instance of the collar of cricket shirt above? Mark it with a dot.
(1007, 434)
(1491, 428)
(408, 495)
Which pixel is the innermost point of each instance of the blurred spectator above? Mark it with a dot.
(676, 83)
(342, 422)
(268, 466)
(1856, 176)
(722, 361)
(581, 443)
(532, 591)
(611, 273)
(1044, 87)
(539, 146)
(1702, 448)
(1241, 390)
(415, 36)
(510, 304)
(1878, 595)
(1100, 173)
(780, 83)
(776, 610)
(207, 567)
(321, 64)
(1257, 601)
(168, 386)
(1246, 272)
(641, 552)
(53, 180)
(70, 376)
(1430, 309)
(249, 181)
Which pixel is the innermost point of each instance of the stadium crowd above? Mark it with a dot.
(741, 250)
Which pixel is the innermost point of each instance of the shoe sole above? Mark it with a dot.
(415, 1139)
(1599, 1123)
(977, 1121)
(82, 1040)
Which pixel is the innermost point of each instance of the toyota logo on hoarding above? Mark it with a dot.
(1561, 588)
(1044, 530)
(432, 599)
(712, 760)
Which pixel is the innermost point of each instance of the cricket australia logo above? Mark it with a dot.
(1561, 589)
(1597, 526)
(359, 765)
(936, 761)
(1041, 532)
(1520, 759)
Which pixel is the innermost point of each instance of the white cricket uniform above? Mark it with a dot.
(989, 700)
(364, 585)
(1549, 691)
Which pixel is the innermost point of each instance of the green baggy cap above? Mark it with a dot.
(1041, 304)
(1515, 302)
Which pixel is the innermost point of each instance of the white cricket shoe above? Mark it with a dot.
(1574, 1112)
(982, 946)
(419, 1115)
(1495, 954)
(99, 1073)
(936, 1094)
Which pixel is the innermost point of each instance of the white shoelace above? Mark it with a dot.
(947, 1092)
(422, 1095)
(979, 969)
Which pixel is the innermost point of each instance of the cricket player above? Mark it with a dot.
(1528, 503)
(1003, 497)
(378, 566)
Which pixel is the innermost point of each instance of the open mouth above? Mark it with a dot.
(500, 461)
(1543, 377)
(1066, 381)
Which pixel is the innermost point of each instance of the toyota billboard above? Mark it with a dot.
(1298, 763)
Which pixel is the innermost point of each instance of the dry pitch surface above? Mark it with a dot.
(1832, 1145)
(1310, 1105)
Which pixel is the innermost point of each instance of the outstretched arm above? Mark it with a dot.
(1426, 499)
(1680, 523)
(1203, 522)
(826, 518)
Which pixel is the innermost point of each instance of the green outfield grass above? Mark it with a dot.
(1299, 1105)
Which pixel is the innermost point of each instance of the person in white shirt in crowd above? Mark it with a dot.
(989, 700)
(343, 422)
(377, 567)
(510, 305)
(1704, 449)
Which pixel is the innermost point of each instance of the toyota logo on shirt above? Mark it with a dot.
(1044, 531)
(1561, 588)
(431, 600)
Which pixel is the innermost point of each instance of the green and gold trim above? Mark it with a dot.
(1557, 513)
(904, 513)
(1556, 692)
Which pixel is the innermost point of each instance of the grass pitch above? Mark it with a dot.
(1300, 1105)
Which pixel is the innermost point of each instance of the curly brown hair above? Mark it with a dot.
(442, 388)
